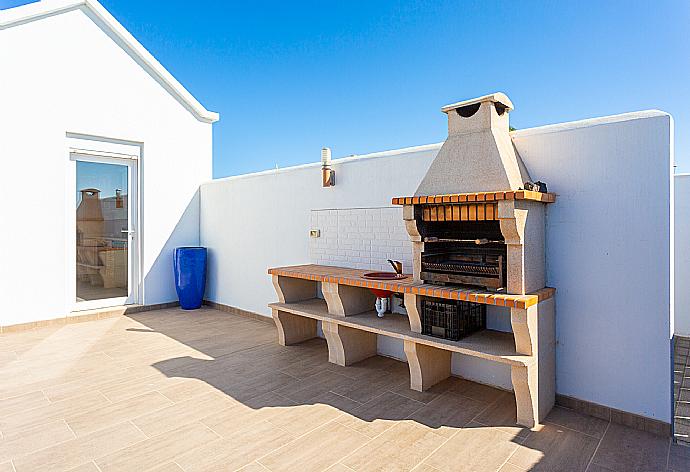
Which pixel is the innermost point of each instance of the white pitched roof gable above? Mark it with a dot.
(36, 11)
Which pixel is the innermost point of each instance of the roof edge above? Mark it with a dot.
(44, 8)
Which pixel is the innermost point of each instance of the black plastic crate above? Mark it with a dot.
(452, 319)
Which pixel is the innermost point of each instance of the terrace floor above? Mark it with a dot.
(179, 391)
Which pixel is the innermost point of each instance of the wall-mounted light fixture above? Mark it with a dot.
(327, 174)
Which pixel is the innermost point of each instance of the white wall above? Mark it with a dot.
(682, 256)
(256, 221)
(608, 244)
(362, 238)
(63, 74)
(609, 255)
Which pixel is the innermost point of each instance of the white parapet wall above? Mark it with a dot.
(609, 245)
(682, 257)
(68, 79)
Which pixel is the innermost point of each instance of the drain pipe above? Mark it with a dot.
(381, 306)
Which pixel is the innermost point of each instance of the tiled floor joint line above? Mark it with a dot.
(591, 459)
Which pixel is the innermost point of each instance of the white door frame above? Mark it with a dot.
(134, 242)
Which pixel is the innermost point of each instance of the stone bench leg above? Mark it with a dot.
(525, 386)
(348, 345)
(428, 365)
(344, 300)
(534, 385)
(291, 290)
(413, 305)
(293, 329)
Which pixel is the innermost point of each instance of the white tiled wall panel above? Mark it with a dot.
(361, 238)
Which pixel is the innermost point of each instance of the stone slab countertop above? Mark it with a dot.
(354, 277)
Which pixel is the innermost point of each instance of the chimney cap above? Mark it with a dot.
(498, 97)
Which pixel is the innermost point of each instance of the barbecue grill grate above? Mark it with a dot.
(459, 268)
(452, 319)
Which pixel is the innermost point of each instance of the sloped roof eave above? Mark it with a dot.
(36, 11)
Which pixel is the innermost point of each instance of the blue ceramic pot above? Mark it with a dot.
(190, 276)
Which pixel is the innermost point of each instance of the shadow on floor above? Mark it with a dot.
(476, 422)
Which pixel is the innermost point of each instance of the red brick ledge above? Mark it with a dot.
(353, 277)
(477, 197)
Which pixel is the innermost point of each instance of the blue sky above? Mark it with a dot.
(363, 76)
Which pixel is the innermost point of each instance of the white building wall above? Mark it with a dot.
(609, 254)
(682, 257)
(362, 238)
(608, 245)
(63, 74)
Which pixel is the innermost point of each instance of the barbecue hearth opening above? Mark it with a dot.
(461, 252)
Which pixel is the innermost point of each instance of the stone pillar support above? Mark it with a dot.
(417, 243)
(413, 305)
(522, 225)
(293, 329)
(525, 385)
(348, 345)
(428, 365)
(534, 384)
(345, 300)
(290, 290)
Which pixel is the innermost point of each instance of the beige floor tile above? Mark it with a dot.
(502, 413)
(400, 448)
(344, 404)
(367, 387)
(180, 414)
(476, 448)
(253, 467)
(186, 355)
(381, 413)
(236, 450)
(185, 389)
(76, 452)
(77, 387)
(39, 437)
(577, 421)
(337, 468)
(301, 419)
(55, 411)
(551, 447)
(510, 468)
(424, 397)
(237, 417)
(116, 413)
(679, 458)
(24, 386)
(597, 468)
(425, 468)
(6, 467)
(447, 413)
(255, 385)
(623, 448)
(231, 420)
(133, 385)
(313, 386)
(315, 451)
(22, 403)
(88, 467)
(169, 467)
(475, 391)
(151, 452)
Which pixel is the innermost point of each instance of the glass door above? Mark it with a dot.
(105, 232)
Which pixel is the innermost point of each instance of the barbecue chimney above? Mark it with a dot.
(478, 155)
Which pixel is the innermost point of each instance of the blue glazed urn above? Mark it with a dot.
(190, 276)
